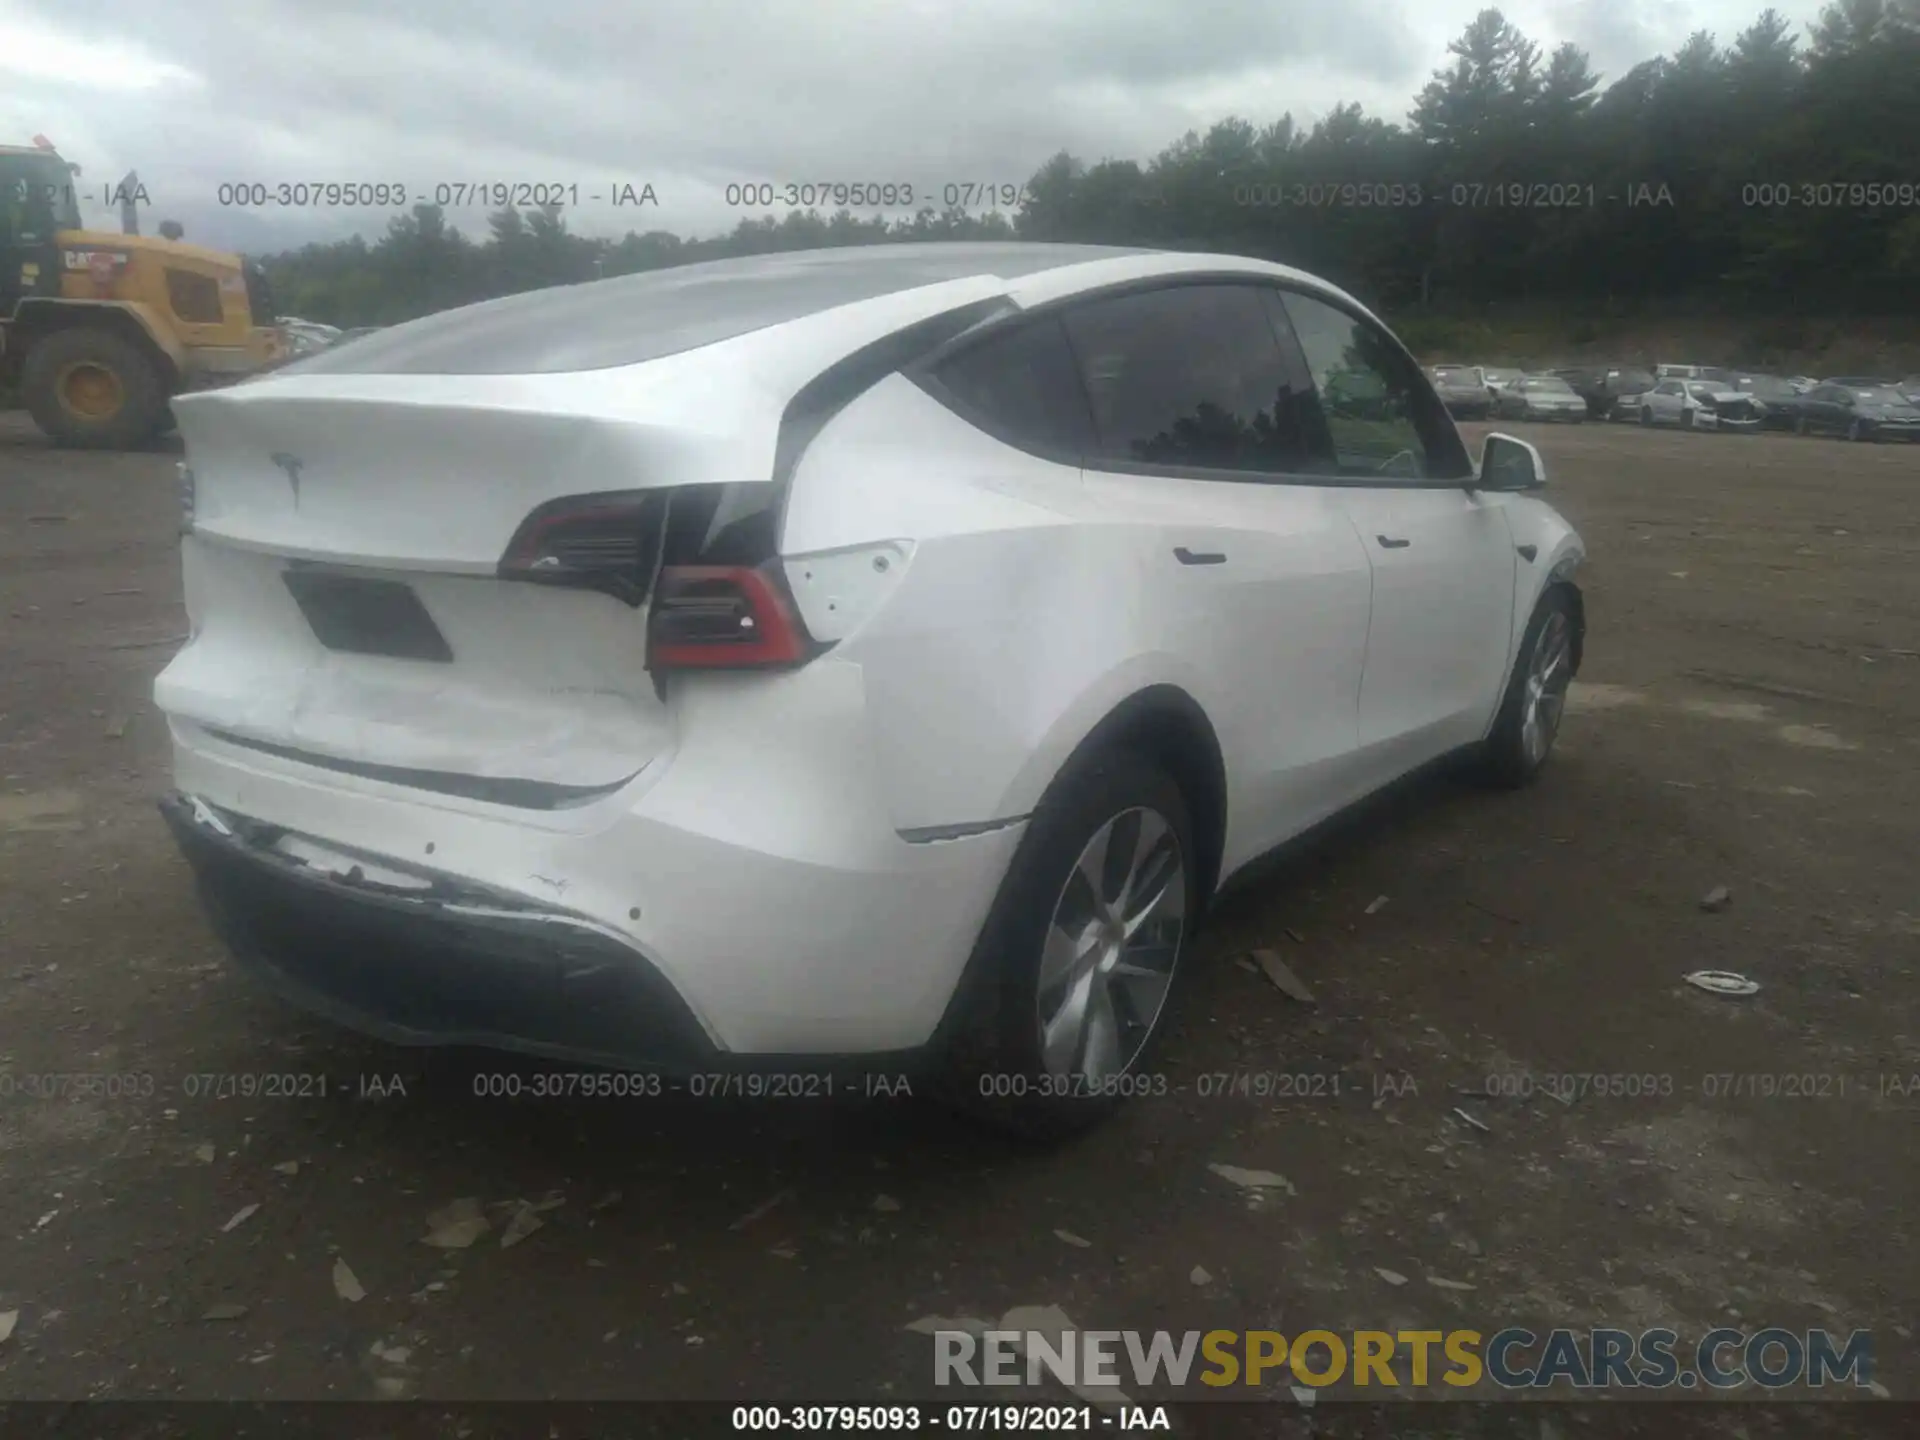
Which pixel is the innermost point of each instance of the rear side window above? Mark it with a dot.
(1023, 387)
(1385, 422)
(1192, 377)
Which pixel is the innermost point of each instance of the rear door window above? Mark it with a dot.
(1193, 377)
(1023, 387)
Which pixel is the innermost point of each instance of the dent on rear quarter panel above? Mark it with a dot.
(999, 641)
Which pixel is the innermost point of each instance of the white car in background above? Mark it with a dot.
(1698, 404)
(866, 656)
(1500, 379)
(308, 337)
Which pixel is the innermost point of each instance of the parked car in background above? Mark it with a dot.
(308, 337)
(1463, 390)
(1499, 377)
(1860, 382)
(1692, 372)
(1781, 398)
(1601, 386)
(1859, 412)
(1699, 405)
(1910, 387)
(626, 673)
(1540, 397)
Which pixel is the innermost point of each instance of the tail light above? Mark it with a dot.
(724, 617)
(609, 542)
(701, 558)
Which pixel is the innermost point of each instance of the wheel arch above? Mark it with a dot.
(1165, 724)
(1562, 580)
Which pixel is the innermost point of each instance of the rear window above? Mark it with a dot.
(643, 317)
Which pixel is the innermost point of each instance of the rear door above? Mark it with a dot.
(1201, 445)
(1442, 555)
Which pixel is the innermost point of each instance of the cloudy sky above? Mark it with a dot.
(691, 95)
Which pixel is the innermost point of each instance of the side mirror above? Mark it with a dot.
(1507, 464)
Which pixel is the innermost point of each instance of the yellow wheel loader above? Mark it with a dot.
(98, 331)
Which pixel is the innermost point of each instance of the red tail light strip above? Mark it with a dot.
(707, 617)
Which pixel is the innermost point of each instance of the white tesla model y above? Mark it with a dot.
(826, 659)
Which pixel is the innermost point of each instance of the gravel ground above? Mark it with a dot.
(1748, 717)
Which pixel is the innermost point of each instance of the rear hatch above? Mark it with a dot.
(344, 583)
(442, 580)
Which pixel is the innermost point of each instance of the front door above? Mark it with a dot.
(1442, 557)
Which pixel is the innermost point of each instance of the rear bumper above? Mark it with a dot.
(463, 967)
(751, 899)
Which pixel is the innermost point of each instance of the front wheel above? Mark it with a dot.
(1646, 415)
(1070, 978)
(1536, 696)
(1856, 431)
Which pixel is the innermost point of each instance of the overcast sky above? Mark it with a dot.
(691, 95)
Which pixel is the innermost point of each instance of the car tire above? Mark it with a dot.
(1799, 424)
(1528, 722)
(995, 1067)
(1686, 419)
(1855, 432)
(1646, 415)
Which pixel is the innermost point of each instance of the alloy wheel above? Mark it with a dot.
(1549, 671)
(1108, 959)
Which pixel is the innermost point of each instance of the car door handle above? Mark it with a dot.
(1387, 542)
(1198, 557)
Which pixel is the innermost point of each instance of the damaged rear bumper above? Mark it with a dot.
(425, 961)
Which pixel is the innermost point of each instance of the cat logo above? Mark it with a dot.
(101, 265)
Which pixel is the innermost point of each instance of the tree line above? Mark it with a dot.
(1774, 171)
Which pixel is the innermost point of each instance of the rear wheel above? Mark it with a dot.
(1536, 698)
(90, 388)
(1071, 976)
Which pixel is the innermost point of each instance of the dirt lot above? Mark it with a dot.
(1749, 717)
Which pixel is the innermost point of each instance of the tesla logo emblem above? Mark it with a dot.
(293, 465)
